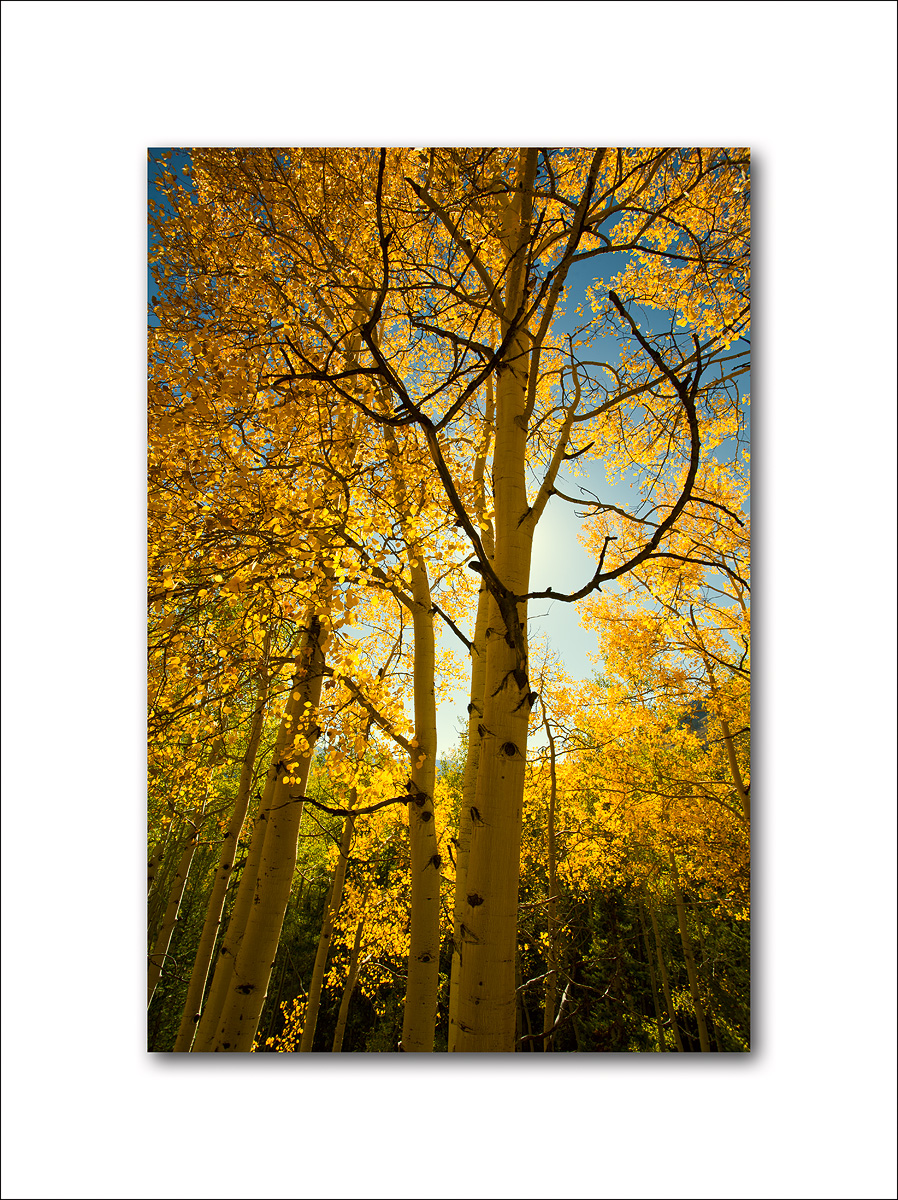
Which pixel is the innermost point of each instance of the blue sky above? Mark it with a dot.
(177, 162)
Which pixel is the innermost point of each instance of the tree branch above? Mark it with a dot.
(455, 629)
(345, 812)
(687, 391)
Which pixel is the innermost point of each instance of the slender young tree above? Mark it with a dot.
(223, 875)
(170, 917)
(552, 898)
(247, 954)
(331, 912)
(665, 983)
(659, 1020)
(689, 956)
(352, 976)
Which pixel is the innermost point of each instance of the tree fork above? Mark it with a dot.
(486, 1001)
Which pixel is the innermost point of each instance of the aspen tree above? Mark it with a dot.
(732, 761)
(331, 911)
(659, 1020)
(154, 860)
(203, 959)
(689, 956)
(552, 950)
(665, 983)
(486, 1009)
(475, 718)
(466, 808)
(419, 1016)
(424, 945)
(163, 939)
(486, 1000)
(352, 976)
(244, 966)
